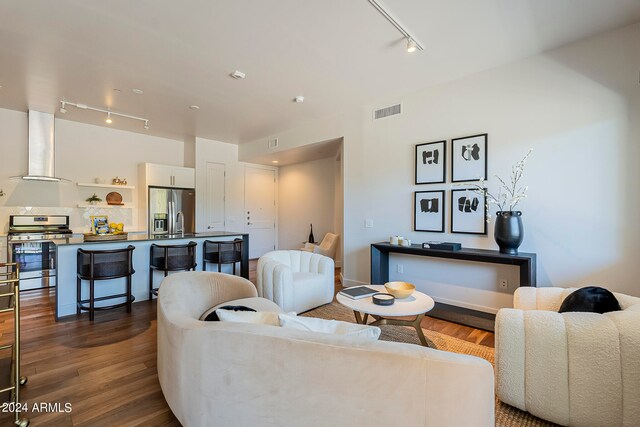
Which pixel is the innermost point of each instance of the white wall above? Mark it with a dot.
(306, 195)
(577, 106)
(83, 152)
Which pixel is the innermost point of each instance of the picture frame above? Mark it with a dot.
(428, 211)
(99, 224)
(468, 212)
(431, 162)
(469, 158)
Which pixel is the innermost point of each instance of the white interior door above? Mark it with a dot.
(260, 208)
(214, 197)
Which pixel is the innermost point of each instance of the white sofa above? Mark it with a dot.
(296, 280)
(579, 369)
(238, 374)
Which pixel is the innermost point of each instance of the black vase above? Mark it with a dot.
(311, 238)
(509, 231)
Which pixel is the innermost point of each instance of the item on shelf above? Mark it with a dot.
(118, 181)
(509, 231)
(99, 180)
(383, 299)
(93, 199)
(404, 242)
(444, 246)
(114, 199)
(116, 228)
(311, 238)
(394, 240)
(90, 237)
(400, 290)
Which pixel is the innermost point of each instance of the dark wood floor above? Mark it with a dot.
(106, 369)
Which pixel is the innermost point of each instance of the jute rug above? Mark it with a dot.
(506, 416)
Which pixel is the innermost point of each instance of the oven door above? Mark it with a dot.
(37, 263)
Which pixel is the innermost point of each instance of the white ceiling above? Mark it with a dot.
(301, 154)
(336, 53)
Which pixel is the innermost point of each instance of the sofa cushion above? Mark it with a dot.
(259, 317)
(352, 330)
(256, 303)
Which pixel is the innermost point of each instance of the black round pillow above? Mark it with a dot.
(592, 299)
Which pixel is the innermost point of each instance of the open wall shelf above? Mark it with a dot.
(89, 184)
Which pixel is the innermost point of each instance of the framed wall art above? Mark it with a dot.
(469, 158)
(431, 161)
(468, 212)
(428, 211)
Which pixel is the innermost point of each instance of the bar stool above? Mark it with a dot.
(225, 252)
(170, 258)
(104, 265)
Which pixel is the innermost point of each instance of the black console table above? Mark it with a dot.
(477, 319)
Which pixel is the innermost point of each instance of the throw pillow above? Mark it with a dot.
(256, 303)
(258, 317)
(591, 299)
(212, 316)
(352, 330)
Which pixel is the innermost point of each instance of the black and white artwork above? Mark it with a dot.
(431, 160)
(468, 212)
(428, 211)
(469, 158)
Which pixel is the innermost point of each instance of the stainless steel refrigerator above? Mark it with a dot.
(172, 211)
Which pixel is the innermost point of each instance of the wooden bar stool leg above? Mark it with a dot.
(129, 294)
(79, 295)
(91, 300)
(150, 284)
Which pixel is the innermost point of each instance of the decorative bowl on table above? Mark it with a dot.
(400, 290)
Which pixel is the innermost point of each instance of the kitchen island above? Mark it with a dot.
(67, 250)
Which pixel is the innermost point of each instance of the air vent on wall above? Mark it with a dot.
(392, 110)
(272, 143)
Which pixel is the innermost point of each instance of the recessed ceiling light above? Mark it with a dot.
(299, 99)
(194, 107)
(137, 91)
(274, 161)
(238, 75)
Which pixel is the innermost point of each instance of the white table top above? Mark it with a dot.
(417, 303)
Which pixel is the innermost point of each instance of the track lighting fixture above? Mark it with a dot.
(109, 120)
(411, 46)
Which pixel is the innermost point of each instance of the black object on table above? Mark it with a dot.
(168, 258)
(104, 265)
(477, 319)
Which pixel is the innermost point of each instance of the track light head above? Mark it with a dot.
(146, 125)
(109, 118)
(411, 46)
(62, 109)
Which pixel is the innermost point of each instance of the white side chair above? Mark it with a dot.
(327, 247)
(578, 369)
(296, 280)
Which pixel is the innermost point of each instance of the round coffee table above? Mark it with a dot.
(416, 305)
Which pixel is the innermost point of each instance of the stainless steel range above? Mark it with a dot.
(30, 245)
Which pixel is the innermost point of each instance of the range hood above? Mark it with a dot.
(42, 149)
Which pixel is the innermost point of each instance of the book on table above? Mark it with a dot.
(358, 292)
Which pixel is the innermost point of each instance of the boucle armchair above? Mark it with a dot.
(296, 280)
(578, 369)
(240, 374)
(327, 247)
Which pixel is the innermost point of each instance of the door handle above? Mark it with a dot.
(209, 227)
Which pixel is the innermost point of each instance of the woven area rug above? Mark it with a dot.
(506, 416)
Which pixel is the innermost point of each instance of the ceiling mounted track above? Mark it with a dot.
(412, 43)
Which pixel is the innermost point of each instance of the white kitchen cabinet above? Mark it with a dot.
(170, 176)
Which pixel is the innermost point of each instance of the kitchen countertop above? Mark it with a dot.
(78, 239)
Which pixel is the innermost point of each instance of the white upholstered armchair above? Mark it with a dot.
(578, 369)
(327, 247)
(296, 280)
